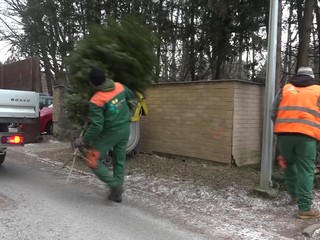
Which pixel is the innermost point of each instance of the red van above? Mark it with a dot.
(46, 124)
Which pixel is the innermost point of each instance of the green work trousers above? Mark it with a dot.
(299, 152)
(117, 141)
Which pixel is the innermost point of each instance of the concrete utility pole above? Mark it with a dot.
(267, 140)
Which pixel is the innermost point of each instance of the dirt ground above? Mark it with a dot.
(207, 197)
(201, 172)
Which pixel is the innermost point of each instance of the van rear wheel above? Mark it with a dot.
(2, 157)
(49, 128)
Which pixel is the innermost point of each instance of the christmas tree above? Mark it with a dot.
(124, 49)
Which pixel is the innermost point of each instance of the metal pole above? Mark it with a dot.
(267, 140)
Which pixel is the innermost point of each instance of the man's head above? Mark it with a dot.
(305, 71)
(97, 76)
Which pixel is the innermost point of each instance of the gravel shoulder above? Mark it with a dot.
(204, 196)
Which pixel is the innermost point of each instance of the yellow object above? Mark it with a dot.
(141, 109)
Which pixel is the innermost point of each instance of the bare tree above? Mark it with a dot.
(305, 24)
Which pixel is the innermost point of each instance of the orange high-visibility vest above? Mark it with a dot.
(299, 111)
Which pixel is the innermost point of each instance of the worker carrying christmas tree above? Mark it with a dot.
(296, 117)
(109, 128)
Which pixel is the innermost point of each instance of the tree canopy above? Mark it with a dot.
(123, 49)
(198, 39)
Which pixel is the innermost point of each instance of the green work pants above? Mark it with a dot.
(299, 152)
(116, 140)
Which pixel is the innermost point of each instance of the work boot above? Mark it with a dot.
(312, 213)
(116, 194)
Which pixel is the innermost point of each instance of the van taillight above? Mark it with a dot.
(14, 139)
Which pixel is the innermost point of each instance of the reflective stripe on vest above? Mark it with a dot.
(299, 111)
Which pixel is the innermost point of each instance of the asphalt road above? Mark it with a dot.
(36, 203)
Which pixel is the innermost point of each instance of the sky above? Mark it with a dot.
(4, 54)
(4, 45)
(3, 48)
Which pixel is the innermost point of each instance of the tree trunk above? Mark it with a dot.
(278, 65)
(317, 10)
(304, 34)
(288, 52)
(94, 11)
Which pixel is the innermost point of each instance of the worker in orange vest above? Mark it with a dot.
(296, 117)
(109, 128)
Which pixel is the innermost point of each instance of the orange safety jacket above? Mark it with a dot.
(299, 111)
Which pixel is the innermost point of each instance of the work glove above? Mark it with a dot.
(78, 142)
(282, 162)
